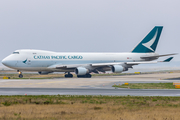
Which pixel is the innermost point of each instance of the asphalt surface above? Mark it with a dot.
(89, 86)
(77, 91)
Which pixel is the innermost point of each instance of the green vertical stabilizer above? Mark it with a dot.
(149, 43)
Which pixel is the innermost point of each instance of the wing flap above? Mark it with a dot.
(136, 63)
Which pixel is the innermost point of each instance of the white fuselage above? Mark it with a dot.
(39, 60)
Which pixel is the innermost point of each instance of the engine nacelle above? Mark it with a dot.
(44, 72)
(81, 71)
(117, 68)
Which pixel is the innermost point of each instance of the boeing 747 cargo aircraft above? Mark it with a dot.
(83, 64)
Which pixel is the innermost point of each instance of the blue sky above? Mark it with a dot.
(87, 25)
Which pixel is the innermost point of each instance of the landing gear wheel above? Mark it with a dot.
(68, 75)
(20, 76)
(80, 76)
(88, 75)
(84, 76)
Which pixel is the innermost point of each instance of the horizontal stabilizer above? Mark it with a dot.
(168, 60)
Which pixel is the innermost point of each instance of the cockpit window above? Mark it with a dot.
(15, 52)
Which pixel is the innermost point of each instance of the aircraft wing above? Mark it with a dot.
(157, 56)
(131, 63)
(84, 65)
(62, 66)
(106, 64)
(127, 63)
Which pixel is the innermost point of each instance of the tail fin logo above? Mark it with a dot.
(150, 43)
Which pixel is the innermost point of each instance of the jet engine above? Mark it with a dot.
(81, 71)
(117, 68)
(44, 72)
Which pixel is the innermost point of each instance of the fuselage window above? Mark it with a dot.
(15, 52)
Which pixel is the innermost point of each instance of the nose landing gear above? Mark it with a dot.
(20, 75)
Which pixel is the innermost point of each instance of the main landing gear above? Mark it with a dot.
(84, 76)
(69, 75)
(20, 74)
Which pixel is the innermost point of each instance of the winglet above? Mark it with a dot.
(168, 60)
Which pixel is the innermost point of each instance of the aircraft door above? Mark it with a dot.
(16, 63)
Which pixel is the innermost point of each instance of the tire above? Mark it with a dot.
(68, 76)
(84, 76)
(20, 76)
(65, 75)
(88, 75)
(80, 76)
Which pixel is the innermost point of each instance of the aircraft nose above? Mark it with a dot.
(4, 61)
(7, 62)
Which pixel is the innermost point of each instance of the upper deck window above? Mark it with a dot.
(15, 52)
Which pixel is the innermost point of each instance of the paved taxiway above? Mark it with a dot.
(77, 91)
(88, 86)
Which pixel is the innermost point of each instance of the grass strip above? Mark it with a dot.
(90, 99)
(30, 107)
(147, 86)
